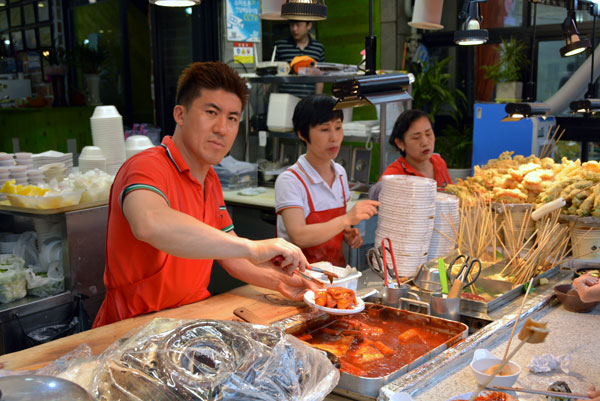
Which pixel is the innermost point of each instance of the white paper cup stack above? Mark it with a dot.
(447, 218)
(91, 157)
(107, 134)
(406, 217)
(6, 160)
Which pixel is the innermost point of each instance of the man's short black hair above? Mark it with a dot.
(314, 110)
(403, 123)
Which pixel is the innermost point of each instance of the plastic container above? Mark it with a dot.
(45, 202)
(233, 181)
(350, 281)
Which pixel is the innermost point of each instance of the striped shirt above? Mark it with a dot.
(287, 49)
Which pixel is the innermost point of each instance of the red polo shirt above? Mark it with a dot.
(440, 171)
(138, 277)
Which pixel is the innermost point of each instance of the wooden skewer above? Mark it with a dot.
(512, 333)
(542, 392)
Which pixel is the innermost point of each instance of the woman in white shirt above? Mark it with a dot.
(311, 196)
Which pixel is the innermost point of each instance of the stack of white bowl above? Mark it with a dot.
(406, 217)
(24, 159)
(6, 160)
(54, 171)
(447, 219)
(52, 156)
(19, 174)
(46, 230)
(91, 157)
(4, 176)
(35, 176)
(107, 134)
(136, 143)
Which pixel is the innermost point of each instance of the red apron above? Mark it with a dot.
(331, 250)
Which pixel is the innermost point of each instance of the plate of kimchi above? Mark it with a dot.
(335, 301)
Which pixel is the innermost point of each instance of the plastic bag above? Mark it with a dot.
(46, 284)
(26, 248)
(212, 360)
(12, 284)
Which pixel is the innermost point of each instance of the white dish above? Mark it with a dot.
(309, 298)
(467, 396)
(105, 112)
(483, 360)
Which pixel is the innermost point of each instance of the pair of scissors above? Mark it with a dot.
(377, 261)
(466, 272)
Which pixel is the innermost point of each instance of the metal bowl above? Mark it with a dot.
(47, 388)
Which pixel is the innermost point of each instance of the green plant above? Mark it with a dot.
(513, 57)
(431, 92)
(455, 145)
(57, 56)
(90, 59)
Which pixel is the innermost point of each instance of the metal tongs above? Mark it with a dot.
(379, 254)
(277, 260)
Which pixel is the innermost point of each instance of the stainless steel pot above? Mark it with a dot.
(47, 388)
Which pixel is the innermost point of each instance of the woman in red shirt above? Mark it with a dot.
(413, 136)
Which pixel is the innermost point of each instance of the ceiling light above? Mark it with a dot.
(304, 10)
(574, 43)
(518, 111)
(470, 32)
(585, 106)
(175, 3)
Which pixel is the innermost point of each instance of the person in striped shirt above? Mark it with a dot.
(300, 43)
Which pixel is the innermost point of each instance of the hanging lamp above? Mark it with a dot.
(470, 33)
(304, 10)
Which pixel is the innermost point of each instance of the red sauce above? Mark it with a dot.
(363, 343)
(491, 396)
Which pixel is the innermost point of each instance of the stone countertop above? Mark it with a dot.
(574, 334)
(266, 200)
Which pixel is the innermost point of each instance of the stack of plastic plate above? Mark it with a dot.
(19, 174)
(4, 176)
(91, 158)
(447, 220)
(46, 230)
(107, 134)
(406, 217)
(52, 156)
(35, 176)
(54, 171)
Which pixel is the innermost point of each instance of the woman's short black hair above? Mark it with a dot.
(403, 123)
(314, 110)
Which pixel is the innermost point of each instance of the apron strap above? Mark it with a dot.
(310, 202)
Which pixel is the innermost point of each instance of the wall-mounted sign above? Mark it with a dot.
(243, 52)
(243, 24)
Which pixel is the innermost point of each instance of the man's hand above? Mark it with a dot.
(363, 210)
(277, 253)
(593, 394)
(294, 286)
(353, 237)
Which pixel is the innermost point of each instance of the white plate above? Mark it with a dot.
(467, 396)
(309, 298)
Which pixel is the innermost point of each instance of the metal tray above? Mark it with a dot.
(369, 386)
(509, 290)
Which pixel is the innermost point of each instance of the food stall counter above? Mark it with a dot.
(572, 334)
(265, 304)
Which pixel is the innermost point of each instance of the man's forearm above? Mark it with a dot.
(243, 270)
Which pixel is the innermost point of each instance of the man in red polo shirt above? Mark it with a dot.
(167, 219)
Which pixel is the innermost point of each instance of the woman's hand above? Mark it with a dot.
(363, 210)
(352, 237)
